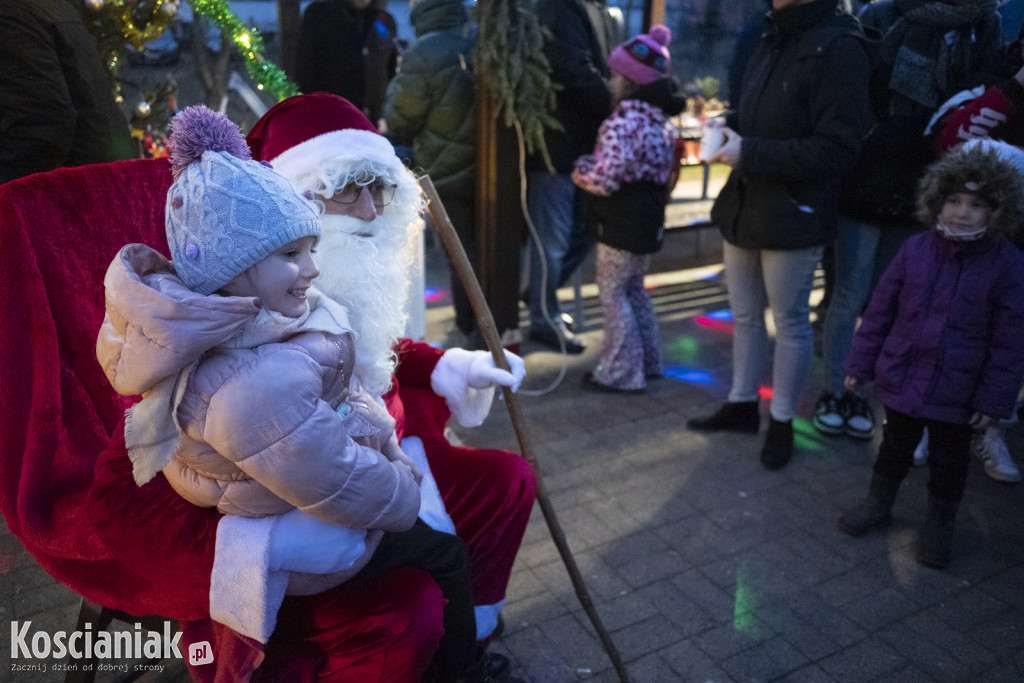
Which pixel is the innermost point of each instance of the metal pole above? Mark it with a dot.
(485, 321)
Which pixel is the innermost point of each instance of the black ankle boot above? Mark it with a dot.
(731, 417)
(875, 511)
(778, 444)
(483, 670)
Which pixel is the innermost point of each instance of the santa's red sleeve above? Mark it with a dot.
(488, 493)
(165, 540)
(411, 400)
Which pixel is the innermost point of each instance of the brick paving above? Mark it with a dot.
(703, 565)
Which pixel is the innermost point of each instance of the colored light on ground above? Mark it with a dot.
(711, 323)
(684, 344)
(805, 436)
(684, 350)
(433, 293)
(720, 320)
(689, 375)
(766, 393)
(743, 607)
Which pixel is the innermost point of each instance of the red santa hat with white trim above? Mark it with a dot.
(302, 133)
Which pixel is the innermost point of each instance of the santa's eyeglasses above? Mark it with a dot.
(380, 192)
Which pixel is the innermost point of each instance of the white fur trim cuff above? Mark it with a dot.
(431, 505)
(450, 380)
(244, 594)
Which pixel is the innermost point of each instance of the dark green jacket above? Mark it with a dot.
(431, 103)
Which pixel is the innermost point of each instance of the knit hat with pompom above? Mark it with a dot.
(644, 58)
(226, 212)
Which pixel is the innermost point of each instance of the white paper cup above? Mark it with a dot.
(712, 140)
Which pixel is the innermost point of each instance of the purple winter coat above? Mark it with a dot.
(943, 335)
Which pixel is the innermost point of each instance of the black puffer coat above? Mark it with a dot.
(881, 188)
(347, 51)
(431, 103)
(56, 102)
(803, 114)
(582, 36)
(633, 218)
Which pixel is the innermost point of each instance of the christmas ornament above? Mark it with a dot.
(94, 5)
(142, 109)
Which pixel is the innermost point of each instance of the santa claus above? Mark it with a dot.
(226, 577)
(371, 204)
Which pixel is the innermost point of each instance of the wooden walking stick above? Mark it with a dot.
(453, 246)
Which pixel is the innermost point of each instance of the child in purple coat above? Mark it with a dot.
(942, 338)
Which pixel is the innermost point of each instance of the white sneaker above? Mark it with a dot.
(990, 448)
(921, 452)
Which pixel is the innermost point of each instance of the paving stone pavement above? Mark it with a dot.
(702, 565)
(706, 567)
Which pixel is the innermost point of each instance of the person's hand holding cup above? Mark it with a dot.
(712, 138)
(720, 144)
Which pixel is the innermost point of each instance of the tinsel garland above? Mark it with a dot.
(116, 24)
(510, 60)
(139, 33)
(250, 45)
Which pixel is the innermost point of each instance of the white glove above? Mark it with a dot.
(301, 543)
(482, 372)
(466, 380)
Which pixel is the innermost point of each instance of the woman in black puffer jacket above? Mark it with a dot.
(803, 112)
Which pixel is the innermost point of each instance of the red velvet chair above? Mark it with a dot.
(65, 480)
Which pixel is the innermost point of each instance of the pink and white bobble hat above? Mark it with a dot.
(644, 58)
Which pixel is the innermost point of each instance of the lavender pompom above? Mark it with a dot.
(198, 129)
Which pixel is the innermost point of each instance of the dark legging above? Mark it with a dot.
(445, 558)
(948, 452)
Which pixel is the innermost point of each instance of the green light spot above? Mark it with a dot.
(805, 436)
(743, 611)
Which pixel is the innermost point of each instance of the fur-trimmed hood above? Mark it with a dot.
(984, 168)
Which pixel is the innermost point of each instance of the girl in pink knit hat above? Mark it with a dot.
(627, 177)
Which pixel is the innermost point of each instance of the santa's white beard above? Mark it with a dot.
(369, 277)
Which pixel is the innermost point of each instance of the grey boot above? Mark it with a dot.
(875, 511)
(935, 544)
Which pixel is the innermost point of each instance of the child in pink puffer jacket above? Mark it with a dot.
(626, 176)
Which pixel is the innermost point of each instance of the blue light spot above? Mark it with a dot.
(689, 375)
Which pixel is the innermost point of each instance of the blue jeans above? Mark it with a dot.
(862, 253)
(782, 280)
(557, 208)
